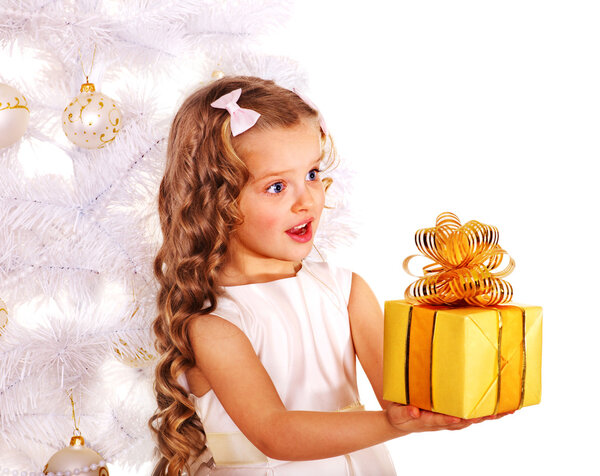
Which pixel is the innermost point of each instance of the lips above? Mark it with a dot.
(301, 232)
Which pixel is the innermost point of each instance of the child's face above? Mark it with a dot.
(284, 197)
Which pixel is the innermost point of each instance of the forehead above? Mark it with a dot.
(281, 148)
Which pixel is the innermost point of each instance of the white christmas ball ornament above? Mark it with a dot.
(92, 119)
(3, 316)
(14, 115)
(76, 459)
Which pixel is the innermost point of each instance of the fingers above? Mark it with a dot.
(399, 415)
(458, 427)
(497, 416)
(500, 415)
(432, 419)
(485, 418)
(411, 419)
(429, 421)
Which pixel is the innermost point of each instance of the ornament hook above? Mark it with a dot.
(91, 65)
(76, 431)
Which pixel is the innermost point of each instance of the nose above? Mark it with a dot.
(304, 200)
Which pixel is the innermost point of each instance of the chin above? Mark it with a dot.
(299, 255)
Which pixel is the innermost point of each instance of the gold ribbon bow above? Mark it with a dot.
(465, 259)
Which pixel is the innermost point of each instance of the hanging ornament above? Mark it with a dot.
(76, 458)
(128, 354)
(14, 115)
(92, 119)
(217, 74)
(139, 357)
(3, 316)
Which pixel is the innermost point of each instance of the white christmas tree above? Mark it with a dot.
(79, 228)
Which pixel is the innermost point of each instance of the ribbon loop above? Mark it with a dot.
(241, 119)
(465, 268)
(305, 98)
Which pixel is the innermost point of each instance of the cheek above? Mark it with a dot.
(257, 214)
(320, 199)
(262, 217)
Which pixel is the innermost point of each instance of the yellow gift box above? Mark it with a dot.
(454, 346)
(467, 362)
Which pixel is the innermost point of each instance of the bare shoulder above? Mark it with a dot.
(203, 331)
(214, 339)
(210, 326)
(361, 298)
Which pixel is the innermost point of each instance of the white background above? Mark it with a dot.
(490, 110)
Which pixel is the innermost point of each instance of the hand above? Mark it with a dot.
(409, 419)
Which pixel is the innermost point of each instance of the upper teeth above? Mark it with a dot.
(299, 226)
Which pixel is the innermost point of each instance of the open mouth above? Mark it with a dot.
(301, 233)
(300, 229)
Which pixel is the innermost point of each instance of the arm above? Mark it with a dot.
(366, 325)
(227, 360)
(238, 378)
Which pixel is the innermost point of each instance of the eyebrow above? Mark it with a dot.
(282, 172)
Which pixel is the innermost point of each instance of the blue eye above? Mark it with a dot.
(277, 187)
(313, 175)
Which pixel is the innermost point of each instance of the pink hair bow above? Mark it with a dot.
(311, 104)
(241, 119)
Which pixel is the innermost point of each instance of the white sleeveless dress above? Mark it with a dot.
(300, 330)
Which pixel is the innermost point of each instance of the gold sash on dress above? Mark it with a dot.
(230, 449)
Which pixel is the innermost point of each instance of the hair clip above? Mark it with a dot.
(241, 119)
(312, 104)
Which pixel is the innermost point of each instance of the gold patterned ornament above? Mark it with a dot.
(139, 357)
(217, 74)
(3, 316)
(14, 115)
(92, 119)
(76, 459)
(126, 353)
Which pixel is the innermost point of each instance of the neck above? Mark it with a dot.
(249, 271)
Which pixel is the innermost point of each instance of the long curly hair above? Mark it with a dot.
(199, 212)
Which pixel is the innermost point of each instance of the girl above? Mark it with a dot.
(257, 367)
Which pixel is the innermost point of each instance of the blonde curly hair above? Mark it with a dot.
(199, 212)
